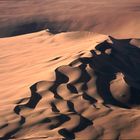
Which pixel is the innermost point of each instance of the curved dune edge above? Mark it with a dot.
(115, 18)
(69, 95)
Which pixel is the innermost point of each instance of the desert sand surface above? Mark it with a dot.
(69, 70)
(119, 18)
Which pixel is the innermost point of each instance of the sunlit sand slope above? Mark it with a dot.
(65, 86)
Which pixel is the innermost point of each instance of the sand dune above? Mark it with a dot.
(118, 18)
(71, 93)
(69, 69)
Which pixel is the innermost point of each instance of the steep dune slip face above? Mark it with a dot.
(72, 85)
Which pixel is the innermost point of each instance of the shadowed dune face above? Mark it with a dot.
(121, 17)
(71, 93)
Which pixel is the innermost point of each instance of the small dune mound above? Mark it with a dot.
(120, 90)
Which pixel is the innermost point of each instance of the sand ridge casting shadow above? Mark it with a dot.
(104, 65)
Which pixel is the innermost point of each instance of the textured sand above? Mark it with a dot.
(69, 85)
(68, 100)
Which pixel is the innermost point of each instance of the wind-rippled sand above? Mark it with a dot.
(48, 92)
(70, 85)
